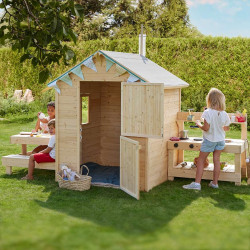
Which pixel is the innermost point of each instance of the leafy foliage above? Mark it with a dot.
(9, 106)
(38, 28)
(123, 18)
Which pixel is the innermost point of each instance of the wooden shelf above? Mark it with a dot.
(239, 123)
(228, 168)
(227, 174)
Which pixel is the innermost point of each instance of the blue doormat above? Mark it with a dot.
(103, 175)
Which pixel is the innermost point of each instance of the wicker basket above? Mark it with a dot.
(81, 184)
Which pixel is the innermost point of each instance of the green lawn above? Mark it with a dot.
(39, 215)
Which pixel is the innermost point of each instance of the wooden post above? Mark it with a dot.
(8, 170)
(57, 138)
(237, 162)
(170, 164)
(243, 155)
(180, 153)
(248, 173)
(24, 149)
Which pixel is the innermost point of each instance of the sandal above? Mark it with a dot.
(26, 177)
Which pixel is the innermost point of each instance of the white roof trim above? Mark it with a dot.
(139, 66)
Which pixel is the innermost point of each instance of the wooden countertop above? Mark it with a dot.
(235, 146)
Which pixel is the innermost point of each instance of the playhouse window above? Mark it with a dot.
(85, 109)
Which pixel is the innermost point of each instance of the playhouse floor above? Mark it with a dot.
(105, 176)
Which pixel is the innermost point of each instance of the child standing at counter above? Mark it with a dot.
(46, 155)
(216, 122)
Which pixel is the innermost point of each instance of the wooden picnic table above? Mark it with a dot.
(22, 160)
(24, 140)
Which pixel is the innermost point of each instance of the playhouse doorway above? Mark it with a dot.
(124, 120)
(101, 126)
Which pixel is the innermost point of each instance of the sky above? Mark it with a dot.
(227, 18)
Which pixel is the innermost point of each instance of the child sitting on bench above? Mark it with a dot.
(46, 155)
(42, 124)
(42, 121)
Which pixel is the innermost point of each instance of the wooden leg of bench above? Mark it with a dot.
(170, 178)
(237, 183)
(9, 170)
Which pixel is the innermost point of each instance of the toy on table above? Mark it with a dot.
(241, 117)
(190, 117)
(194, 164)
(174, 138)
(222, 165)
(182, 164)
(194, 126)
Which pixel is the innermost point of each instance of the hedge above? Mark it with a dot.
(202, 62)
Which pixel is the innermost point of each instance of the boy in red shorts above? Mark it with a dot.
(46, 155)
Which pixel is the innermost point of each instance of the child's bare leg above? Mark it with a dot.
(31, 167)
(216, 160)
(29, 176)
(200, 166)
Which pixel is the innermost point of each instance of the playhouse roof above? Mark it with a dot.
(138, 66)
(145, 69)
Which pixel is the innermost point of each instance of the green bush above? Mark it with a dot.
(22, 111)
(202, 62)
(9, 106)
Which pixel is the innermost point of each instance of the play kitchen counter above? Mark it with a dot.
(237, 147)
(230, 173)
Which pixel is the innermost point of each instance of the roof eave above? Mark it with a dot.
(176, 87)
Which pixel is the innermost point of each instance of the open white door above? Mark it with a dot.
(142, 109)
(129, 166)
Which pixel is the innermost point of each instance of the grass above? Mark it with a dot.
(39, 215)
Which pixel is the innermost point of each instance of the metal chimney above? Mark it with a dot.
(142, 42)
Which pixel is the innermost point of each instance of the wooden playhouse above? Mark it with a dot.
(133, 108)
(132, 111)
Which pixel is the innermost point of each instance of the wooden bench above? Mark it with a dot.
(22, 161)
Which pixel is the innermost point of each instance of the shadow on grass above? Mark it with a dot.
(115, 209)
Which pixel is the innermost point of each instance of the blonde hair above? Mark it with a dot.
(216, 99)
(52, 123)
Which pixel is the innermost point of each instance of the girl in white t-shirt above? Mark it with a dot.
(46, 155)
(216, 122)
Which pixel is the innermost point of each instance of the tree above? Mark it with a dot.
(146, 14)
(123, 18)
(173, 19)
(38, 28)
(94, 26)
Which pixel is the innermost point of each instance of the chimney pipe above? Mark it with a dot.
(142, 42)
